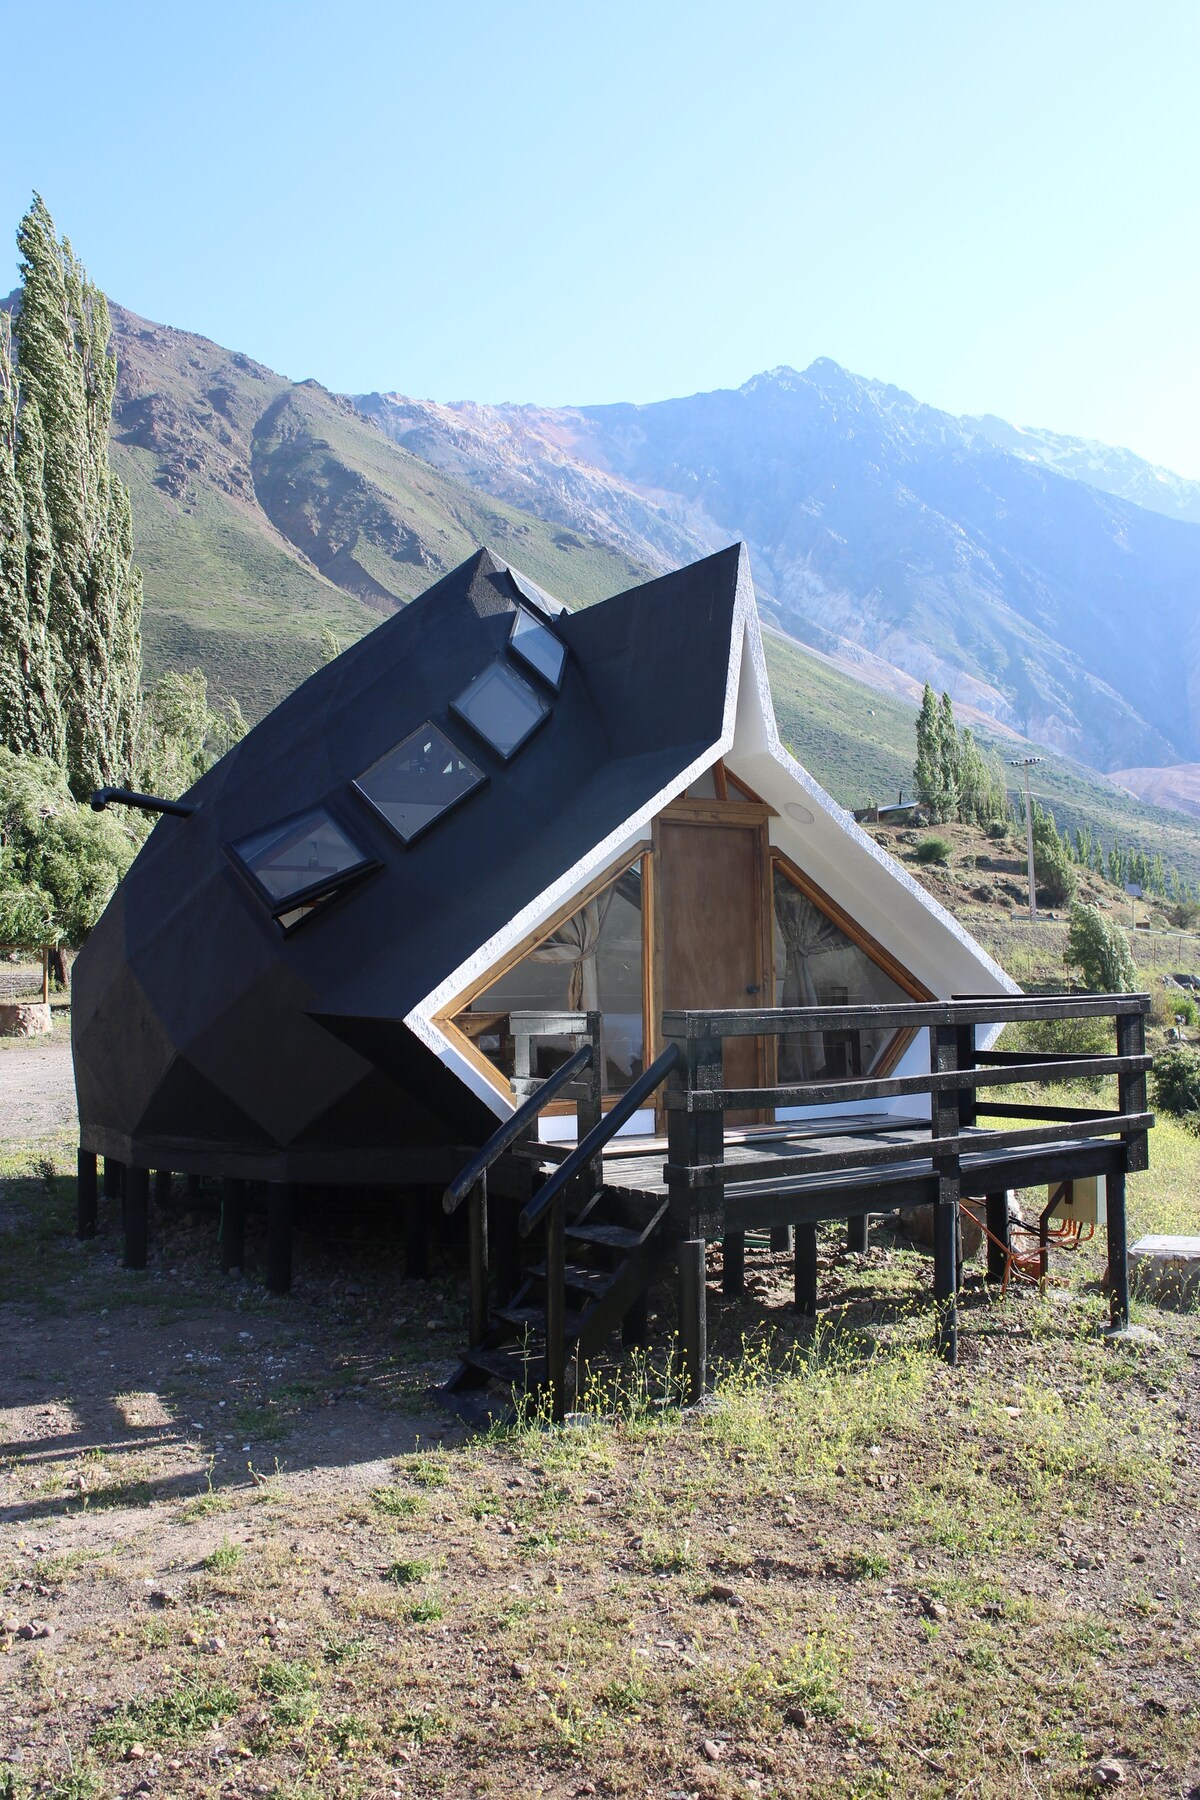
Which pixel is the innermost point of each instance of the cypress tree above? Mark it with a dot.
(929, 769)
(30, 716)
(951, 758)
(93, 610)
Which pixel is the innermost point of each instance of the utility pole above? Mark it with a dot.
(1027, 763)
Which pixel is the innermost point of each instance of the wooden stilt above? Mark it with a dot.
(193, 1190)
(806, 1270)
(281, 1211)
(556, 1307)
(114, 1178)
(945, 1277)
(997, 1224)
(162, 1188)
(86, 1207)
(137, 1217)
(1118, 1250)
(416, 1238)
(783, 1240)
(858, 1233)
(733, 1263)
(233, 1224)
(635, 1326)
(477, 1231)
(693, 1321)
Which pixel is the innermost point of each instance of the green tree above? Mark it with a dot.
(93, 594)
(181, 734)
(59, 860)
(30, 715)
(936, 793)
(1099, 949)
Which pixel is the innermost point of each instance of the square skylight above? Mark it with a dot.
(304, 856)
(418, 781)
(532, 640)
(502, 707)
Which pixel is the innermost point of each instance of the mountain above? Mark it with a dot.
(880, 530)
(1176, 787)
(266, 511)
(1103, 466)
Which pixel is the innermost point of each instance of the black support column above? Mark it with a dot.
(137, 1217)
(733, 1264)
(858, 1233)
(1118, 1250)
(997, 1224)
(281, 1212)
(233, 1224)
(806, 1270)
(86, 1207)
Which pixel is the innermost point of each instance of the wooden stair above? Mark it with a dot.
(615, 1246)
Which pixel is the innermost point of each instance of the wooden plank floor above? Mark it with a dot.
(641, 1171)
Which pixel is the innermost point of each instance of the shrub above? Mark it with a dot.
(998, 830)
(934, 850)
(1177, 1080)
(1054, 872)
(1099, 949)
(1186, 915)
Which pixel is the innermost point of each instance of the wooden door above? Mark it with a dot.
(712, 931)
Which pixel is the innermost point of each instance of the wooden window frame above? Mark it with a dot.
(444, 1017)
(859, 935)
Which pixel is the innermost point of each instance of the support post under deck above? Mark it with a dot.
(137, 1217)
(281, 1214)
(1118, 1250)
(998, 1229)
(858, 1233)
(946, 1123)
(693, 1317)
(162, 1188)
(86, 1204)
(806, 1270)
(233, 1224)
(733, 1264)
(695, 1141)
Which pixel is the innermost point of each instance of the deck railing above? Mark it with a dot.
(699, 1170)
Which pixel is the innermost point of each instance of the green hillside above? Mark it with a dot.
(860, 744)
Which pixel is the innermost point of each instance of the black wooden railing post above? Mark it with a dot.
(695, 1141)
(86, 1196)
(944, 1120)
(477, 1233)
(1131, 1087)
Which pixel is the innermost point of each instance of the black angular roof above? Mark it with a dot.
(205, 1038)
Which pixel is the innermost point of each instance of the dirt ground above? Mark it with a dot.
(37, 1086)
(243, 1553)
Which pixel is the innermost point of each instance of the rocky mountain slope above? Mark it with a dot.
(267, 510)
(884, 532)
(1103, 466)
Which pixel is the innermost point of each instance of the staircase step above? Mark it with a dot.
(581, 1279)
(510, 1364)
(616, 1237)
(533, 1318)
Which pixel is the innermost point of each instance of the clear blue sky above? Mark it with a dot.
(994, 205)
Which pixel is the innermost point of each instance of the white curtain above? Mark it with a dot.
(806, 934)
(575, 943)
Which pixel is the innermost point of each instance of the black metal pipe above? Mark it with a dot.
(119, 796)
(514, 1127)
(630, 1102)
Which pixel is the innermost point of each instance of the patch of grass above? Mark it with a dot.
(429, 1469)
(224, 1559)
(407, 1571)
(396, 1504)
(182, 1712)
(425, 1611)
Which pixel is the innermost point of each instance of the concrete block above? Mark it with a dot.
(1166, 1269)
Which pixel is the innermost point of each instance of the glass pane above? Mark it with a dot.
(537, 645)
(414, 783)
(301, 853)
(593, 962)
(817, 964)
(501, 707)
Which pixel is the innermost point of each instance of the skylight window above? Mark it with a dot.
(502, 708)
(299, 862)
(418, 781)
(536, 645)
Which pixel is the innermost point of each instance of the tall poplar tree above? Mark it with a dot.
(94, 591)
(31, 719)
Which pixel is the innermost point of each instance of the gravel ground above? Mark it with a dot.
(37, 1085)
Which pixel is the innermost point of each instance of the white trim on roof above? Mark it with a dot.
(838, 854)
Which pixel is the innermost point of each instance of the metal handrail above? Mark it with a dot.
(600, 1134)
(513, 1127)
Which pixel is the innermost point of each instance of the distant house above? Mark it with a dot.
(488, 805)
